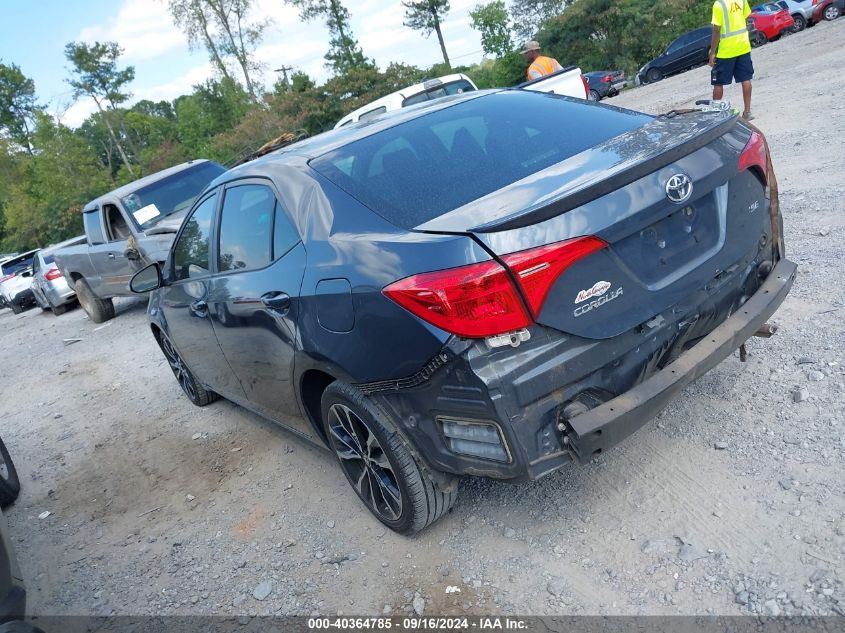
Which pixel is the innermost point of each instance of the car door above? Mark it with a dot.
(36, 277)
(696, 48)
(253, 297)
(183, 302)
(671, 58)
(109, 258)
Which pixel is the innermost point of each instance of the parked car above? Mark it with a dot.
(128, 228)
(457, 83)
(687, 51)
(801, 12)
(49, 285)
(495, 284)
(769, 22)
(827, 9)
(12, 589)
(16, 282)
(604, 83)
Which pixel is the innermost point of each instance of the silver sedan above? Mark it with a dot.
(49, 285)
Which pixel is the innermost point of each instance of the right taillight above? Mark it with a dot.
(473, 301)
(754, 156)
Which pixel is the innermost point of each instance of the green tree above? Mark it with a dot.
(344, 52)
(226, 31)
(528, 16)
(17, 105)
(214, 107)
(426, 16)
(491, 20)
(95, 74)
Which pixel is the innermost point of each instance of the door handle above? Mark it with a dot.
(276, 300)
(199, 308)
(111, 255)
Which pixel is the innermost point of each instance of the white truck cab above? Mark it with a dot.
(568, 82)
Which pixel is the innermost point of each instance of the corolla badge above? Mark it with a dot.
(598, 289)
(679, 188)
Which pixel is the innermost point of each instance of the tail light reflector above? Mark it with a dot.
(53, 273)
(473, 301)
(607, 79)
(754, 155)
(537, 269)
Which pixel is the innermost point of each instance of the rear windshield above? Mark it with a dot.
(416, 171)
(15, 266)
(48, 259)
(169, 195)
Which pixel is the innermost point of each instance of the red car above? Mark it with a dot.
(827, 9)
(769, 22)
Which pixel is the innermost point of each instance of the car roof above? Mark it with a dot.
(333, 139)
(54, 247)
(135, 185)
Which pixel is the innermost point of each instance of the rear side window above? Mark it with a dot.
(440, 90)
(190, 253)
(372, 113)
(246, 228)
(418, 170)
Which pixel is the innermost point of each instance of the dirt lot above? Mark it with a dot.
(730, 502)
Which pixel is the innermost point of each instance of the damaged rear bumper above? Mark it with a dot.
(596, 430)
(525, 395)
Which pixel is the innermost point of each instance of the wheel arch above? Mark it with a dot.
(312, 384)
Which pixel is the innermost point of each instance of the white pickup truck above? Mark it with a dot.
(568, 82)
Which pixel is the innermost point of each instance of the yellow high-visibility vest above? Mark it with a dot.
(730, 17)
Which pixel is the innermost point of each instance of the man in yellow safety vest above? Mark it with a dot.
(540, 65)
(730, 50)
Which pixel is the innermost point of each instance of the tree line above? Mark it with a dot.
(48, 170)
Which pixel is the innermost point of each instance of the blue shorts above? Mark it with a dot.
(726, 69)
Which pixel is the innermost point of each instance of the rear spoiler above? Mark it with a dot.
(562, 71)
(675, 142)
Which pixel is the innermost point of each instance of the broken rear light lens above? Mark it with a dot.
(472, 301)
(754, 156)
(53, 273)
(537, 269)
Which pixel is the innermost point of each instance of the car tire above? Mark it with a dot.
(98, 310)
(758, 38)
(405, 499)
(831, 13)
(10, 485)
(800, 23)
(192, 388)
(654, 74)
(594, 95)
(59, 310)
(17, 308)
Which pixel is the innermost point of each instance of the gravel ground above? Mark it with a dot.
(730, 502)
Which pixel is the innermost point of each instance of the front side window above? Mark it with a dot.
(246, 228)
(190, 253)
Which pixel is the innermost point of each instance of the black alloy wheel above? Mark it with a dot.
(365, 463)
(380, 463)
(193, 389)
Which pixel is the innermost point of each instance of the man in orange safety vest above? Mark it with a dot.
(539, 65)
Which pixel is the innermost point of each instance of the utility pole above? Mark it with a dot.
(284, 70)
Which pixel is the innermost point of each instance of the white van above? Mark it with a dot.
(429, 89)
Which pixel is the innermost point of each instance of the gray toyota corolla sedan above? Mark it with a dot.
(492, 284)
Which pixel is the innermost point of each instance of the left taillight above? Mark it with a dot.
(754, 156)
(53, 273)
(537, 269)
(481, 300)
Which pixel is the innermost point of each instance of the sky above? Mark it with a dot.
(33, 35)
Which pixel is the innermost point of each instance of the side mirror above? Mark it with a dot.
(146, 279)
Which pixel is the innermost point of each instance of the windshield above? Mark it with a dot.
(14, 266)
(170, 195)
(418, 170)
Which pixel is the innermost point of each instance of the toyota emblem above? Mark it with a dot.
(679, 188)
